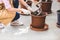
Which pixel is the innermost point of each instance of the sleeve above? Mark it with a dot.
(7, 4)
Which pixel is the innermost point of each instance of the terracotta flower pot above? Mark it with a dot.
(38, 22)
(58, 18)
(58, 0)
(29, 3)
(46, 7)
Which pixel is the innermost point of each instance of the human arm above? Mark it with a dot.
(26, 5)
(9, 7)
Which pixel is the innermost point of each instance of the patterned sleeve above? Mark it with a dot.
(7, 4)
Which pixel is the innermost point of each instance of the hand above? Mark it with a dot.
(30, 9)
(25, 11)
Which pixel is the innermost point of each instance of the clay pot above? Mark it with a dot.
(58, 18)
(58, 14)
(29, 3)
(58, 0)
(38, 21)
(46, 7)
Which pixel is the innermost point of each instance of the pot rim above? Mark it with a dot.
(39, 16)
(46, 2)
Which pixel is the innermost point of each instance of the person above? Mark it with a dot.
(31, 8)
(8, 14)
(15, 4)
(22, 4)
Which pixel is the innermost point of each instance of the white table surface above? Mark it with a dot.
(53, 33)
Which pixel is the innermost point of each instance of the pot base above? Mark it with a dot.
(36, 29)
